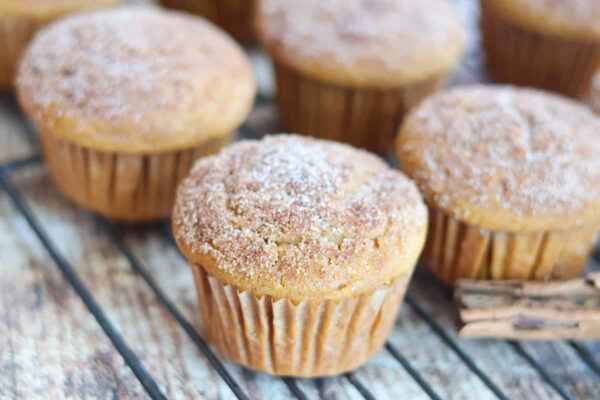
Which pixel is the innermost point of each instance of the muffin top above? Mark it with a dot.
(43, 9)
(135, 80)
(299, 218)
(504, 158)
(575, 19)
(362, 42)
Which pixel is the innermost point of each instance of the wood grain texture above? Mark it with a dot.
(592, 346)
(44, 324)
(162, 346)
(173, 273)
(50, 345)
(17, 140)
(500, 361)
(430, 356)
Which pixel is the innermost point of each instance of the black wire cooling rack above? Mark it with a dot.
(544, 364)
(452, 344)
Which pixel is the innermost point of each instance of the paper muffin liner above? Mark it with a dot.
(234, 16)
(526, 58)
(307, 339)
(363, 117)
(15, 34)
(128, 187)
(457, 250)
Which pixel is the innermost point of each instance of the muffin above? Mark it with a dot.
(549, 44)
(301, 251)
(512, 180)
(235, 16)
(348, 71)
(19, 19)
(125, 102)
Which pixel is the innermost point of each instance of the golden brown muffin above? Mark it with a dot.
(19, 19)
(512, 180)
(301, 251)
(125, 102)
(348, 71)
(550, 44)
(235, 16)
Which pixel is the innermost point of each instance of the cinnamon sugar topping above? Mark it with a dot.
(300, 215)
(521, 151)
(146, 72)
(364, 39)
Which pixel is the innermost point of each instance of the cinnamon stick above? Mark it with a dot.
(530, 310)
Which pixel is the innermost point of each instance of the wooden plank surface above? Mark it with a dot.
(172, 272)
(163, 348)
(43, 322)
(506, 369)
(501, 361)
(16, 137)
(50, 345)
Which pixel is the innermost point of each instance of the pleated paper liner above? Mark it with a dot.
(526, 58)
(234, 16)
(363, 117)
(128, 187)
(457, 250)
(307, 339)
(15, 34)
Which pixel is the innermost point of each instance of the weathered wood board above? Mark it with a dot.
(52, 347)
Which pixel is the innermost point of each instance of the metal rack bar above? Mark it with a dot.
(14, 165)
(585, 355)
(565, 394)
(359, 386)
(289, 382)
(20, 163)
(130, 358)
(415, 375)
(137, 266)
(293, 387)
(167, 234)
(455, 347)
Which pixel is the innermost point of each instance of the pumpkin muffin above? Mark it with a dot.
(301, 251)
(550, 44)
(512, 180)
(235, 16)
(19, 20)
(125, 102)
(348, 71)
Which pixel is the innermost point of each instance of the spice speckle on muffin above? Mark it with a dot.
(136, 70)
(510, 170)
(348, 71)
(303, 217)
(125, 102)
(525, 152)
(20, 19)
(365, 42)
(301, 251)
